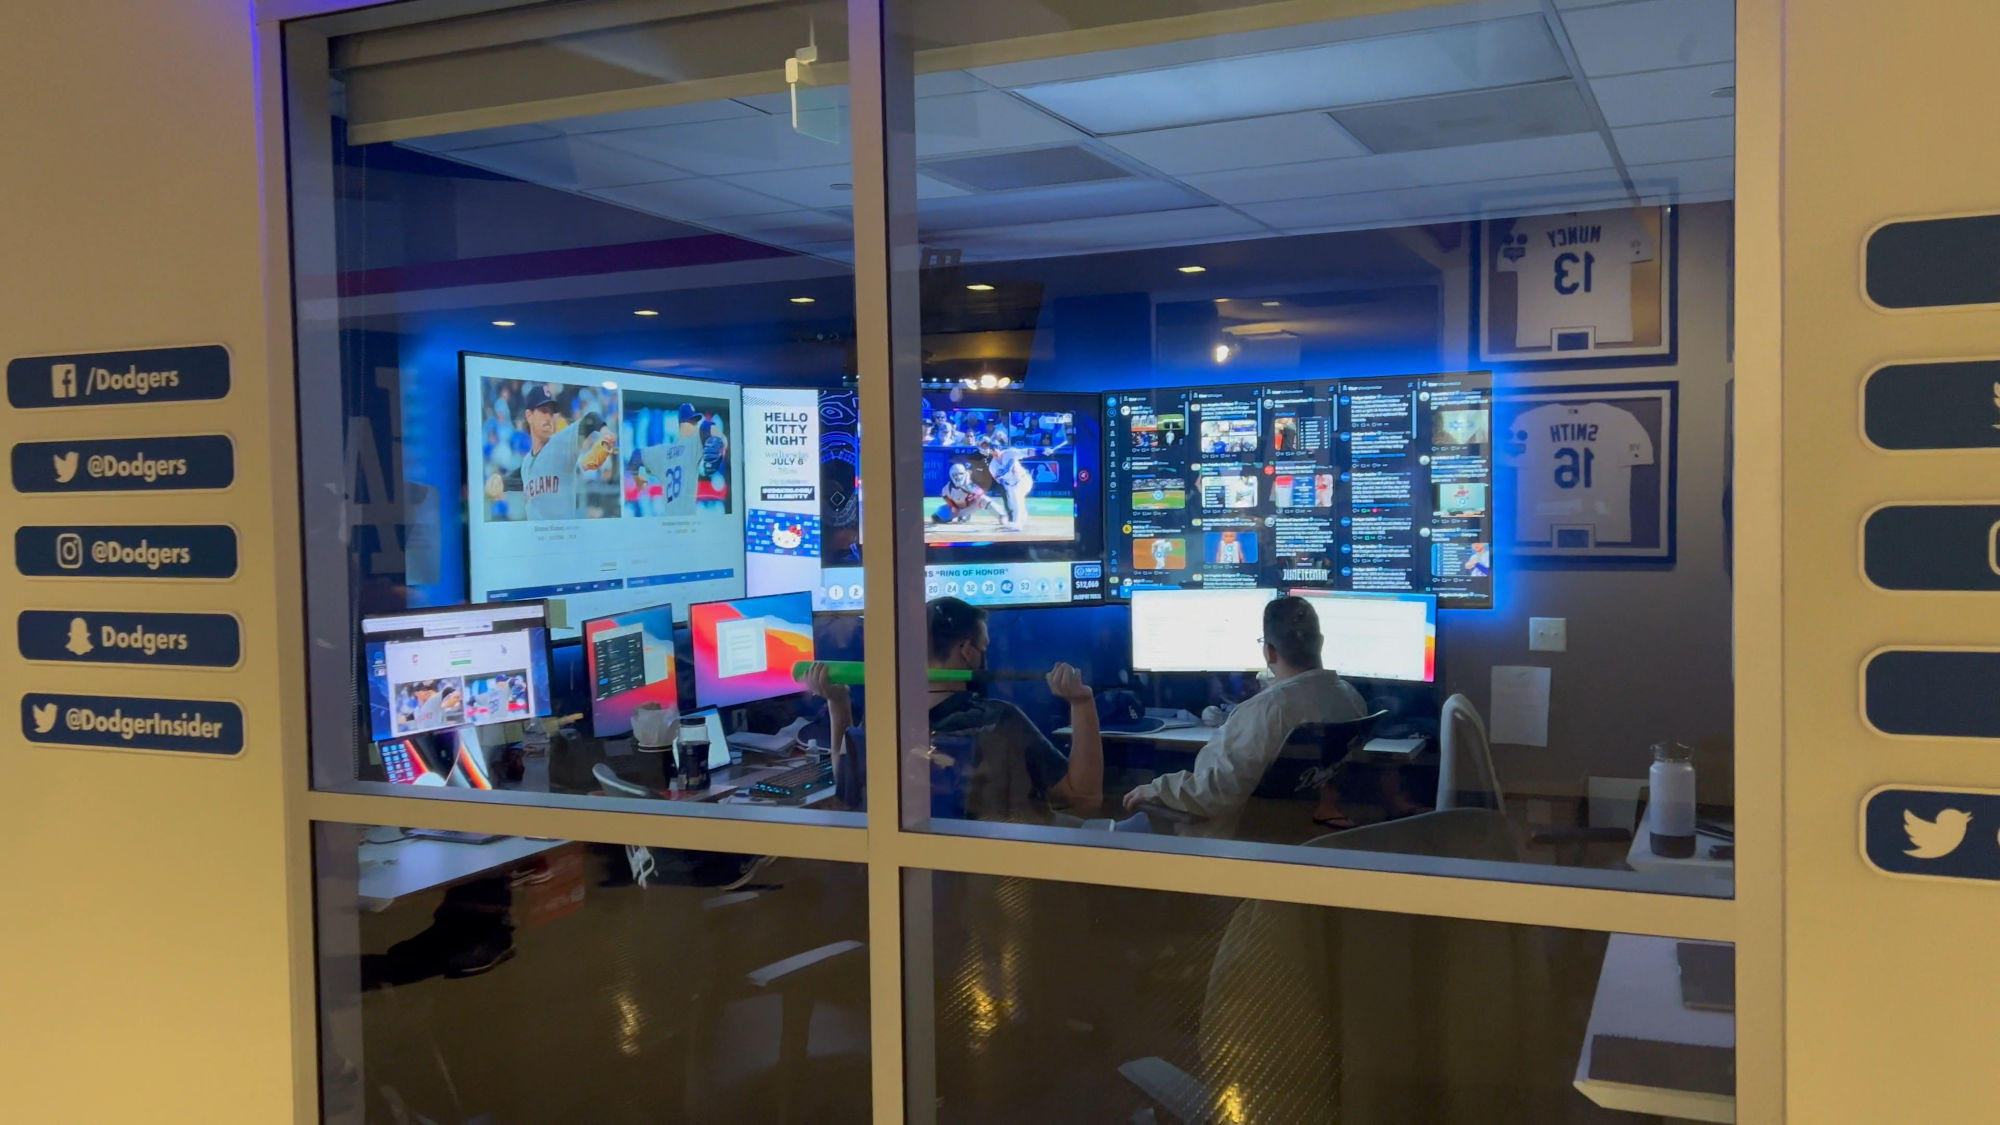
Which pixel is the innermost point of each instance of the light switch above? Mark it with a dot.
(1548, 634)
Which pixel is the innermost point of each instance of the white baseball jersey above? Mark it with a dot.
(549, 478)
(1575, 272)
(675, 466)
(1575, 470)
(1229, 552)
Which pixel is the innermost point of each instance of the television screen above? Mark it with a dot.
(608, 489)
(1364, 484)
(432, 669)
(744, 650)
(629, 658)
(802, 489)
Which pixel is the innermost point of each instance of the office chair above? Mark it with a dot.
(615, 786)
(1320, 1014)
(1466, 777)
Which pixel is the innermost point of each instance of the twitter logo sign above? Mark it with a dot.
(187, 463)
(1937, 833)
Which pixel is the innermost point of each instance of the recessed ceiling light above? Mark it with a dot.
(802, 300)
(1193, 269)
(503, 324)
(1269, 304)
(645, 312)
(1723, 92)
(980, 287)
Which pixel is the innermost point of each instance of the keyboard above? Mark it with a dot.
(797, 781)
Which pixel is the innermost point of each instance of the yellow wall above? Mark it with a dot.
(1893, 994)
(145, 957)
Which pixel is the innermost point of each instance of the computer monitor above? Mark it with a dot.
(744, 649)
(467, 666)
(629, 660)
(1198, 630)
(1377, 636)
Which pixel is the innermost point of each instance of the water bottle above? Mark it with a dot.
(1670, 811)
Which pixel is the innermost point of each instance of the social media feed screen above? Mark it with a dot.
(1357, 484)
(1014, 496)
(611, 490)
(472, 667)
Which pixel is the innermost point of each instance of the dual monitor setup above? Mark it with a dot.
(615, 507)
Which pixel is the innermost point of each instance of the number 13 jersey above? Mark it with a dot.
(1574, 467)
(1574, 271)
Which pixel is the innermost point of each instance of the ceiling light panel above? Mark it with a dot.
(1284, 139)
(1543, 109)
(1664, 95)
(1652, 35)
(1444, 60)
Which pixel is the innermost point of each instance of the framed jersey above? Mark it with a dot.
(1586, 473)
(1594, 286)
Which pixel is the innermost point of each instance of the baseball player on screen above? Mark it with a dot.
(557, 457)
(961, 498)
(1004, 462)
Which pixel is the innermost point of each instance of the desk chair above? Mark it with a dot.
(1326, 1015)
(1466, 777)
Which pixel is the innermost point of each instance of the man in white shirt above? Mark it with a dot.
(1228, 768)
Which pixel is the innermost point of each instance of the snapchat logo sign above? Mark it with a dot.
(79, 637)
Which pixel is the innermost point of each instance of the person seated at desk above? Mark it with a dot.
(1230, 765)
(1004, 739)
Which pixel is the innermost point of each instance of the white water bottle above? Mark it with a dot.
(1670, 810)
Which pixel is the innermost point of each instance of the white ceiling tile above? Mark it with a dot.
(1676, 141)
(694, 200)
(1652, 35)
(1680, 94)
(1567, 191)
(733, 147)
(655, 117)
(1225, 145)
(1670, 182)
(1445, 60)
(1467, 163)
(568, 162)
(1116, 232)
(474, 138)
(813, 187)
(928, 86)
(984, 120)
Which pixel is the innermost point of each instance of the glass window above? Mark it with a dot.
(1060, 1002)
(1324, 431)
(549, 980)
(578, 404)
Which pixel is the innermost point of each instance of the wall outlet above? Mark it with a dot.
(1548, 634)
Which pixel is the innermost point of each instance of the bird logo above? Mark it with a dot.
(45, 717)
(1935, 839)
(79, 637)
(66, 463)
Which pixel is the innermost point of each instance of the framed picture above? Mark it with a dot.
(1585, 474)
(1588, 286)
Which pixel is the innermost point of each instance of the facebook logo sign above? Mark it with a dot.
(62, 380)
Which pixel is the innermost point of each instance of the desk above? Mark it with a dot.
(1639, 995)
(1189, 738)
(411, 866)
(1640, 857)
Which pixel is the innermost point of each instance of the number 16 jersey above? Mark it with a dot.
(1574, 466)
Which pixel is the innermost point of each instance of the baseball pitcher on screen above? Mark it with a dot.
(557, 457)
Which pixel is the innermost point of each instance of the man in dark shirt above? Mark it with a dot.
(1014, 771)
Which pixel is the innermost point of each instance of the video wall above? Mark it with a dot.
(614, 490)
(609, 490)
(1373, 485)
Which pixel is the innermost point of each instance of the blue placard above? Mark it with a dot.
(126, 551)
(182, 640)
(1933, 693)
(1935, 263)
(1934, 405)
(158, 464)
(114, 378)
(1946, 834)
(186, 726)
(1933, 547)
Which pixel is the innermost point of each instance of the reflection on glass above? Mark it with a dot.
(468, 979)
(576, 335)
(1410, 329)
(1060, 1002)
